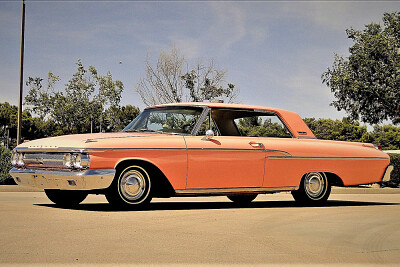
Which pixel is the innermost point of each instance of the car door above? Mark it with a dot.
(224, 161)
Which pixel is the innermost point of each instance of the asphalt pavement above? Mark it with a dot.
(350, 229)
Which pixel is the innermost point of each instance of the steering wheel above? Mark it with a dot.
(186, 125)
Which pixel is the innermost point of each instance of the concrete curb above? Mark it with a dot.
(366, 190)
(18, 188)
(335, 190)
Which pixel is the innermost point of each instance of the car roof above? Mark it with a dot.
(218, 105)
(292, 120)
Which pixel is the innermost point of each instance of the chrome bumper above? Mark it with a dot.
(73, 180)
(386, 176)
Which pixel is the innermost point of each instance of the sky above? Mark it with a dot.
(273, 51)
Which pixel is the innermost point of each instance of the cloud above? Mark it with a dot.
(229, 25)
(339, 15)
(213, 29)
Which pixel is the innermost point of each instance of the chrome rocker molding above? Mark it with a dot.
(72, 180)
(230, 191)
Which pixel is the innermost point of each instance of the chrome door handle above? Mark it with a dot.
(254, 144)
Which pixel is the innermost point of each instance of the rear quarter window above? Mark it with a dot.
(262, 126)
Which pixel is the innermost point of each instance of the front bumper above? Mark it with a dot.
(72, 180)
(386, 175)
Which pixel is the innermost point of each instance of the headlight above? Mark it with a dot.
(81, 161)
(20, 160)
(67, 160)
(14, 158)
(77, 161)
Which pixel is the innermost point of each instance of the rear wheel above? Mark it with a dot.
(132, 188)
(314, 188)
(66, 198)
(242, 199)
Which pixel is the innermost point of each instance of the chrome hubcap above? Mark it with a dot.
(132, 185)
(314, 184)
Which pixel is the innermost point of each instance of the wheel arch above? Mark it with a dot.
(334, 179)
(161, 185)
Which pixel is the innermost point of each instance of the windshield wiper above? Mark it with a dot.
(149, 131)
(143, 130)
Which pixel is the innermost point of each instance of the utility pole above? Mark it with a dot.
(21, 73)
(8, 136)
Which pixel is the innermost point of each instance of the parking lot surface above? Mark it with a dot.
(350, 229)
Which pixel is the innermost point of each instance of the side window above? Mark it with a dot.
(266, 126)
(171, 122)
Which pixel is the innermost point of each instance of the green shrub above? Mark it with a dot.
(5, 166)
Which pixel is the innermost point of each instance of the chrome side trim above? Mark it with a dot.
(87, 150)
(73, 180)
(66, 150)
(287, 154)
(225, 149)
(49, 149)
(343, 158)
(92, 140)
(386, 176)
(239, 190)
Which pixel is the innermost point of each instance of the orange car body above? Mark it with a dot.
(222, 164)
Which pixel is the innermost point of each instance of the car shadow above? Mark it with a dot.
(159, 206)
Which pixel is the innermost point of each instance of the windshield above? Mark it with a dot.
(166, 120)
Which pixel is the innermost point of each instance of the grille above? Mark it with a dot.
(44, 160)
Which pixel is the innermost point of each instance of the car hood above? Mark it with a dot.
(81, 141)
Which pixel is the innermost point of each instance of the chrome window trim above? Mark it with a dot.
(200, 120)
(271, 113)
(170, 107)
(207, 113)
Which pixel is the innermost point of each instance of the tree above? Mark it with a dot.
(5, 166)
(171, 81)
(367, 83)
(114, 119)
(8, 117)
(118, 118)
(32, 127)
(87, 98)
(387, 136)
(344, 130)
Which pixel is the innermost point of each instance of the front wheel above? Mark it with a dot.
(65, 198)
(132, 188)
(314, 188)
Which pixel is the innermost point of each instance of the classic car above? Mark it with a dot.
(198, 149)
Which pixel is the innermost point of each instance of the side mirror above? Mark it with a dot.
(209, 134)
